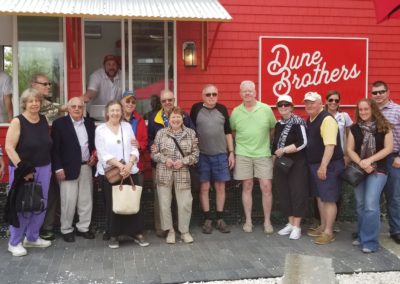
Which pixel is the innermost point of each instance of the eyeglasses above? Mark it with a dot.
(130, 102)
(334, 100)
(167, 100)
(380, 92)
(211, 94)
(76, 106)
(46, 84)
(283, 104)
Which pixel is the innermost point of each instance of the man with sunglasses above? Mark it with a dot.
(380, 94)
(216, 154)
(50, 109)
(158, 120)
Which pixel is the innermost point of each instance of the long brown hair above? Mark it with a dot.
(382, 124)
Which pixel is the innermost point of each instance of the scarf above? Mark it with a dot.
(368, 146)
(292, 120)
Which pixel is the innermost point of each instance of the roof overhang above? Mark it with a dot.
(179, 10)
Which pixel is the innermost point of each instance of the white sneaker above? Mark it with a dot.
(356, 243)
(187, 238)
(295, 234)
(17, 250)
(39, 243)
(286, 230)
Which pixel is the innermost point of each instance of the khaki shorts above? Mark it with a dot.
(248, 167)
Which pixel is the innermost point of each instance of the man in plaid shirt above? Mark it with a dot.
(380, 94)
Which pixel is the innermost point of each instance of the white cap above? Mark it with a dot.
(285, 98)
(312, 96)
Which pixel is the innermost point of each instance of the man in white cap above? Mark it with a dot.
(325, 160)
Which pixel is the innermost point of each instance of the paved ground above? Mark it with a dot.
(212, 257)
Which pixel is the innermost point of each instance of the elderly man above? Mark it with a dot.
(380, 94)
(325, 159)
(253, 124)
(72, 161)
(6, 107)
(158, 120)
(105, 83)
(216, 153)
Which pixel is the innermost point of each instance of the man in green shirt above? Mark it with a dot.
(253, 124)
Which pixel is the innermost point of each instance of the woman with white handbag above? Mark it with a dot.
(117, 165)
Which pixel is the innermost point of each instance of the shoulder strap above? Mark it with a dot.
(177, 145)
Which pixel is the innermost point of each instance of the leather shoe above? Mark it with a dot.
(87, 235)
(47, 235)
(106, 236)
(396, 238)
(69, 238)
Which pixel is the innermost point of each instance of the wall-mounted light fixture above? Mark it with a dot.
(189, 54)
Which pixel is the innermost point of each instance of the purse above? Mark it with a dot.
(353, 174)
(194, 176)
(30, 198)
(126, 198)
(284, 163)
(112, 174)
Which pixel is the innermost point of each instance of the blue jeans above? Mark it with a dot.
(368, 194)
(392, 193)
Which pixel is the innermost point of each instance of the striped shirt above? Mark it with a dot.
(392, 113)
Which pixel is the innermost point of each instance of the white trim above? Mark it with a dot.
(83, 40)
(316, 37)
(64, 29)
(259, 68)
(366, 75)
(16, 91)
(166, 61)
(175, 64)
(130, 57)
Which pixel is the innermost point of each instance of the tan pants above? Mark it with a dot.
(184, 200)
(157, 222)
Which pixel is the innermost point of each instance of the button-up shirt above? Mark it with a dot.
(392, 113)
(83, 138)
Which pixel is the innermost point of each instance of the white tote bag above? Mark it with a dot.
(126, 198)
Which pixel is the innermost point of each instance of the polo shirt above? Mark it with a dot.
(252, 129)
(106, 90)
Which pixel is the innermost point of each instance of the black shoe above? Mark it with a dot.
(47, 235)
(354, 235)
(87, 235)
(396, 238)
(69, 238)
(106, 236)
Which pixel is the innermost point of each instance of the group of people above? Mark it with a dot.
(251, 142)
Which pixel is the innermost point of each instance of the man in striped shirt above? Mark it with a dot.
(380, 94)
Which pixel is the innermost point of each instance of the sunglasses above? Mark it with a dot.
(380, 92)
(334, 100)
(167, 100)
(283, 104)
(211, 94)
(46, 84)
(130, 101)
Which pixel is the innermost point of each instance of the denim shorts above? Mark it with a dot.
(327, 190)
(213, 167)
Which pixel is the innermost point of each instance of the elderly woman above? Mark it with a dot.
(114, 148)
(290, 140)
(174, 151)
(28, 146)
(138, 125)
(370, 141)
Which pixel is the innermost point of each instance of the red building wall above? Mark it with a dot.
(235, 54)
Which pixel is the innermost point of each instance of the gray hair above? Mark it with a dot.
(30, 92)
(247, 83)
(36, 76)
(76, 98)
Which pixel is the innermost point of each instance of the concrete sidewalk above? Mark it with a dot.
(218, 256)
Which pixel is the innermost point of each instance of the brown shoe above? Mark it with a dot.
(324, 239)
(222, 226)
(315, 232)
(207, 227)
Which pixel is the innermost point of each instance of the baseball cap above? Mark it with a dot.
(109, 57)
(312, 96)
(285, 98)
(128, 94)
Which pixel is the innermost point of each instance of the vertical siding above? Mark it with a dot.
(235, 54)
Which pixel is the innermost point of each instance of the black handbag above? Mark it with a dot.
(284, 163)
(353, 174)
(30, 198)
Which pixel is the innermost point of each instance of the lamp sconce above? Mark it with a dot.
(189, 54)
